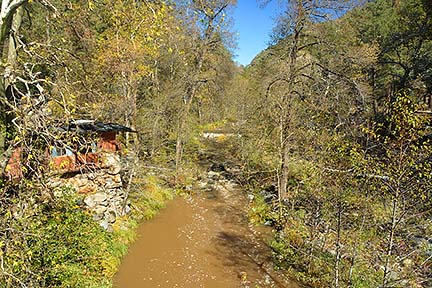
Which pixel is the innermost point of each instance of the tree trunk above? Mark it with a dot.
(9, 27)
(287, 98)
(184, 114)
(354, 252)
(284, 167)
(338, 245)
(390, 243)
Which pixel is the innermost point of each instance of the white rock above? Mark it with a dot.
(92, 200)
(104, 224)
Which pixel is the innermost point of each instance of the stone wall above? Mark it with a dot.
(102, 189)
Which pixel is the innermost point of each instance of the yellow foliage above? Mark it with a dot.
(133, 40)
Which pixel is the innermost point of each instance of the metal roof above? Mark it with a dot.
(85, 126)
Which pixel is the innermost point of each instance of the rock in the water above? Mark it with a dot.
(202, 184)
(217, 167)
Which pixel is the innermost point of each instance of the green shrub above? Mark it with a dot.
(59, 245)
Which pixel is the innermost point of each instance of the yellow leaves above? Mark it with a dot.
(134, 36)
(8, 215)
(90, 5)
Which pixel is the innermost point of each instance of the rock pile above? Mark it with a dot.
(103, 190)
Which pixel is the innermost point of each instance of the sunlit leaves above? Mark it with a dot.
(132, 38)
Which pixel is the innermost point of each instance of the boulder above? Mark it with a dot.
(104, 224)
(98, 217)
(89, 189)
(113, 182)
(99, 197)
(110, 216)
(213, 175)
(94, 199)
(112, 161)
(55, 183)
(127, 210)
(113, 170)
(217, 167)
(99, 209)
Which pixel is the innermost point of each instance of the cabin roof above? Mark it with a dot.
(85, 126)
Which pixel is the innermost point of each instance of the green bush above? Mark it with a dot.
(259, 211)
(57, 244)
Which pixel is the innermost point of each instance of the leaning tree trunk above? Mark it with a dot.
(185, 110)
(10, 22)
(181, 129)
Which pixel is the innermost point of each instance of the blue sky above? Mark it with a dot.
(253, 25)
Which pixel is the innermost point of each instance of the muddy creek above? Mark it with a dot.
(202, 241)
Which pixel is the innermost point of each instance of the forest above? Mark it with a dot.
(334, 118)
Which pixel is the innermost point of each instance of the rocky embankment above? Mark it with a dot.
(105, 194)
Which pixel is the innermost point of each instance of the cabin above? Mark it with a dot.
(80, 153)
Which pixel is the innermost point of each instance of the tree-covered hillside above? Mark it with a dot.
(333, 123)
(336, 121)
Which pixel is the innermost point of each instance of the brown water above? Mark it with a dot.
(202, 241)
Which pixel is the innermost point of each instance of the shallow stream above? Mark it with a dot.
(202, 241)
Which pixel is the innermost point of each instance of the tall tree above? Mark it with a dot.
(207, 20)
(131, 40)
